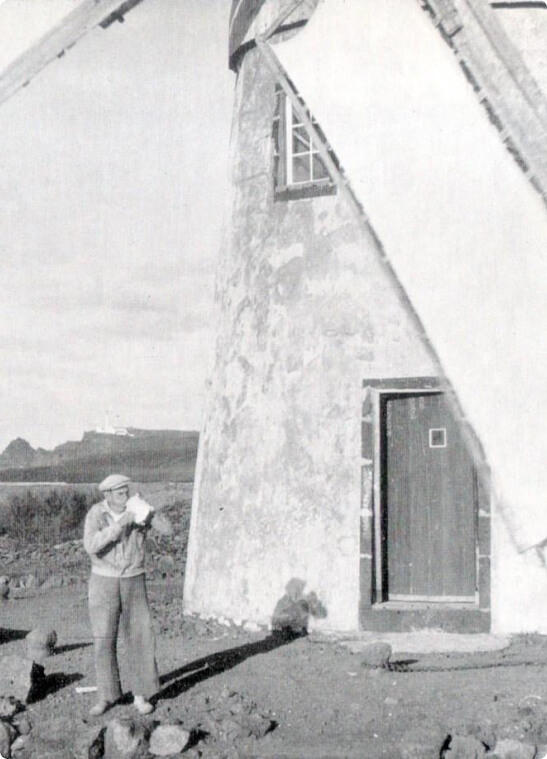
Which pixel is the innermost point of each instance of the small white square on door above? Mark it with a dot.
(437, 437)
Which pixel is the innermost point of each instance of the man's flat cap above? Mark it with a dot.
(113, 482)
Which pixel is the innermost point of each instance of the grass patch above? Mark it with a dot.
(48, 518)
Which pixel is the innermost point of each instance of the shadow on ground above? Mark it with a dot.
(70, 647)
(6, 636)
(191, 674)
(290, 621)
(52, 683)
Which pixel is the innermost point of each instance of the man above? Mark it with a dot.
(114, 538)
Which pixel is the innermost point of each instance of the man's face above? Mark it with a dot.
(117, 499)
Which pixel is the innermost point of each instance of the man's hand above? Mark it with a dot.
(126, 519)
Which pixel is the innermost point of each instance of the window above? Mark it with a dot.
(299, 171)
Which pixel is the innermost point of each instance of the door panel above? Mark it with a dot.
(429, 499)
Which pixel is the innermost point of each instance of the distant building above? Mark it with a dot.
(108, 429)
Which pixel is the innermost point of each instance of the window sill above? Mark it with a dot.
(304, 191)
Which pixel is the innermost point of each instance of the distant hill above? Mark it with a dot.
(19, 453)
(144, 455)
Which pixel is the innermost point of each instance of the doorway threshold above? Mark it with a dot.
(402, 616)
(419, 605)
(422, 641)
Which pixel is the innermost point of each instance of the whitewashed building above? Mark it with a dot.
(376, 426)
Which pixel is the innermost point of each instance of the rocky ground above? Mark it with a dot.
(234, 692)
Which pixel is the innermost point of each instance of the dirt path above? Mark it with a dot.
(324, 703)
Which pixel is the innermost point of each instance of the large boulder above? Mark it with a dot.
(375, 655)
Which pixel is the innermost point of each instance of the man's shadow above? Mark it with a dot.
(289, 623)
(6, 636)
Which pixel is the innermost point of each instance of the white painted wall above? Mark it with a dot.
(466, 234)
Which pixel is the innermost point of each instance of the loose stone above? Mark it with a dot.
(168, 739)
(375, 655)
(125, 739)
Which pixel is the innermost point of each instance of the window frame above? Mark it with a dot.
(285, 123)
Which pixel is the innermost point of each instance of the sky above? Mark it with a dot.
(113, 180)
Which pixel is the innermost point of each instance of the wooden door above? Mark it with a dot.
(429, 513)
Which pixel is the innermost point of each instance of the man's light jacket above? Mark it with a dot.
(118, 551)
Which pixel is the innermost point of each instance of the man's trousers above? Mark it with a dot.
(115, 602)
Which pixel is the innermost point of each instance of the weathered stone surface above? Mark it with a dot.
(483, 731)
(38, 653)
(5, 739)
(23, 725)
(9, 706)
(88, 741)
(7, 736)
(168, 739)
(40, 636)
(20, 678)
(222, 729)
(61, 737)
(423, 742)
(465, 747)
(40, 644)
(375, 655)
(511, 749)
(125, 739)
(95, 748)
(4, 587)
(20, 742)
(257, 725)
